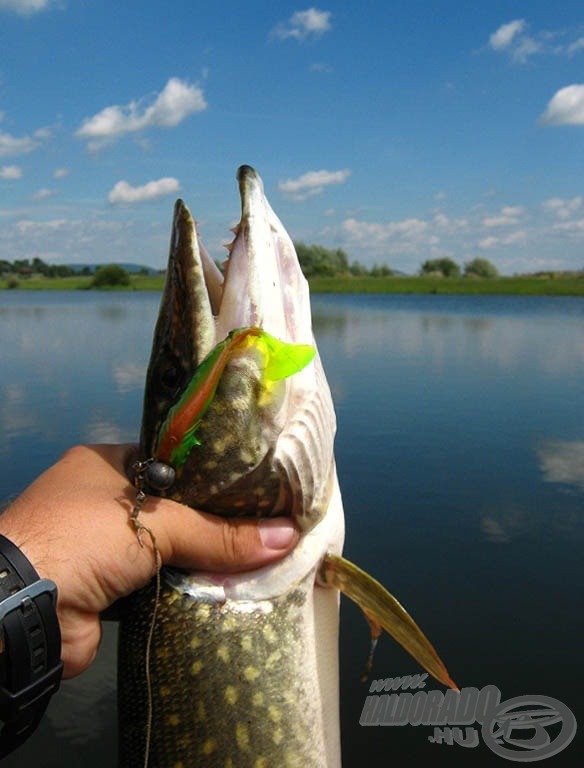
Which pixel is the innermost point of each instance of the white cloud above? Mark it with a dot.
(577, 45)
(488, 242)
(512, 38)
(516, 238)
(420, 237)
(505, 35)
(496, 221)
(561, 208)
(395, 236)
(40, 228)
(60, 173)
(513, 238)
(24, 7)
(126, 193)
(525, 48)
(574, 228)
(11, 145)
(93, 238)
(304, 24)
(447, 225)
(512, 211)
(509, 215)
(10, 172)
(42, 134)
(566, 107)
(173, 104)
(43, 193)
(312, 183)
(322, 67)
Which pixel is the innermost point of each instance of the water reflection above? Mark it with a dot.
(502, 525)
(128, 376)
(442, 329)
(113, 313)
(72, 369)
(457, 443)
(15, 417)
(562, 461)
(100, 429)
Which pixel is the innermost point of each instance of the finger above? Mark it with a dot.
(80, 636)
(199, 541)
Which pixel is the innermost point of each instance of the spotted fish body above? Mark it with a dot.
(243, 668)
(237, 681)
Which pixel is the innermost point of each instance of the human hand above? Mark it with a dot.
(73, 524)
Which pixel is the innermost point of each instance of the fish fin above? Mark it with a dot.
(375, 629)
(284, 359)
(383, 610)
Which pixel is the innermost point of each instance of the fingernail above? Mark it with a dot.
(277, 532)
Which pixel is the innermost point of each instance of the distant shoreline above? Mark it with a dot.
(510, 286)
(531, 285)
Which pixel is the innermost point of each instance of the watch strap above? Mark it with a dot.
(30, 646)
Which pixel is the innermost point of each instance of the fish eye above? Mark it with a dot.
(170, 377)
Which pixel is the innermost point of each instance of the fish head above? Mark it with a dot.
(263, 447)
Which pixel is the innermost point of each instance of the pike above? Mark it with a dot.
(242, 670)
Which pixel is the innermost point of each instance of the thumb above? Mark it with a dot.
(197, 540)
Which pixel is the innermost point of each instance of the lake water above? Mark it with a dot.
(460, 453)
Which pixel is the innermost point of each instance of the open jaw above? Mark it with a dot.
(263, 284)
(263, 450)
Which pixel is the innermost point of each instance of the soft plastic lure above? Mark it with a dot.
(177, 435)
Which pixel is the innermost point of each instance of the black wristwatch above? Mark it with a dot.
(30, 646)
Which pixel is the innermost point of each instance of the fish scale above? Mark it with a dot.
(254, 678)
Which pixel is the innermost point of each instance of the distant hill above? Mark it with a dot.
(131, 268)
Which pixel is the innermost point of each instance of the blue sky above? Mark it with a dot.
(399, 131)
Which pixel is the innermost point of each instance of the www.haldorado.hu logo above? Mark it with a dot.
(524, 729)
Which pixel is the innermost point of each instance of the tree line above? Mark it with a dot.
(315, 261)
(446, 267)
(318, 261)
(27, 267)
(103, 276)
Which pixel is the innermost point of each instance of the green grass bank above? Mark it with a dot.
(531, 285)
(516, 286)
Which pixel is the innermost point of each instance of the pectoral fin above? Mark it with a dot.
(382, 610)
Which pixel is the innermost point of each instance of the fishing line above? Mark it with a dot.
(140, 529)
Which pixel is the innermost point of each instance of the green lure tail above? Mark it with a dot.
(177, 435)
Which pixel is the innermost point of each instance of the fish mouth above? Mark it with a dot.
(262, 284)
(249, 461)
